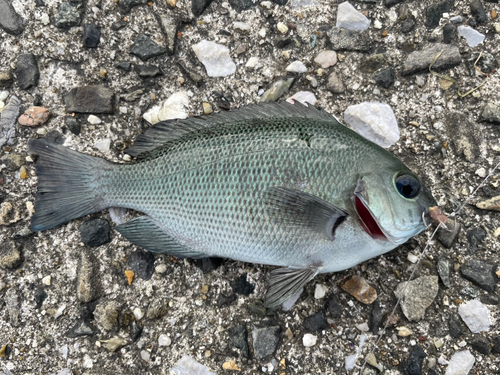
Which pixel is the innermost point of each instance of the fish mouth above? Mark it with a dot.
(367, 220)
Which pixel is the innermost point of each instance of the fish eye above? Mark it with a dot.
(407, 185)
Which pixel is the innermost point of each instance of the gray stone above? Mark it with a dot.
(350, 18)
(107, 313)
(124, 65)
(334, 307)
(73, 125)
(145, 48)
(81, 328)
(239, 338)
(241, 5)
(413, 365)
(475, 236)
(87, 279)
(95, 232)
(6, 78)
(478, 12)
(385, 78)
(192, 74)
(169, 26)
(465, 135)
(421, 60)
(455, 326)
(490, 299)
(91, 35)
(10, 255)
(420, 293)
(277, 89)
(434, 12)
(12, 161)
(349, 40)
(481, 273)
(8, 121)
(376, 317)
(491, 113)
(450, 34)
(40, 296)
(443, 267)
(142, 263)
(265, 341)
(480, 344)
(335, 84)
(27, 71)
(198, 6)
(126, 5)
(448, 236)
(373, 63)
(315, 322)
(10, 21)
(90, 99)
(70, 14)
(147, 71)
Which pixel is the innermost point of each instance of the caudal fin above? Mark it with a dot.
(68, 185)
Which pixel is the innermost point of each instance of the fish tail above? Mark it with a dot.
(68, 184)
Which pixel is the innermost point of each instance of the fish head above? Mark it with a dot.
(392, 205)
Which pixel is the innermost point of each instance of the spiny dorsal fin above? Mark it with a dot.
(167, 131)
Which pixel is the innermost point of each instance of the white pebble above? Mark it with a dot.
(241, 26)
(45, 19)
(481, 172)
(282, 28)
(304, 97)
(215, 57)
(475, 315)
(326, 59)
(145, 355)
(320, 291)
(94, 120)
(4, 95)
(296, 67)
(363, 327)
(41, 131)
(46, 280)
(164, 340)
(262, 32)
(138, 313)
(412, 258)
(461, 363)
(59, 311)
(127, 157)
(377, 24)
(252, 62)
(349, 18)
(103, 145)
(161, 268)
(266, 4)
(123, 110)
(309, 340)
(473, 37)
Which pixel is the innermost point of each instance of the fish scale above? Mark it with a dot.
(277, 184)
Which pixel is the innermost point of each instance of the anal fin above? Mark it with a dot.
(144, 232)
(285, 282)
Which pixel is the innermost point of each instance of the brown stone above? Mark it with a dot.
(359, 288)
(34, 116)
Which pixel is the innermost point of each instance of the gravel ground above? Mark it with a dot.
(61, 298)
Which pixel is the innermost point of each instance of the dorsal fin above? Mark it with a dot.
(167, 131)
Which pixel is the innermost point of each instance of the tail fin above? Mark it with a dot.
(68, 185)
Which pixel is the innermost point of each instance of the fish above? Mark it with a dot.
(278, 184)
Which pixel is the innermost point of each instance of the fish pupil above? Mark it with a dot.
(408, 186)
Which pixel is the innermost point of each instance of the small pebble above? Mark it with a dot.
(461, 363)
(309, 340)
(320, 291)
(282, 28)
(252, 62)
(325, 59)
(475, 315)
(231, 365)
(412, 258)
(404, 331)
(161, 268)
(164, 340)
(138, 313)
(296, 67)
(481, 172)
(359, 288)
(23, 173)
(46, 280)
(129, 274)
(34, 116)
(145, 355)
(94, 120)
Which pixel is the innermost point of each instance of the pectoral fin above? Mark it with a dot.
(285, 282)
(294, 207)
(144, 232)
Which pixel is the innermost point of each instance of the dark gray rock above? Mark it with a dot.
(421, 60)
(239, 338)
(70, 14)
(12, 161)
(448, 236)
(39, 3)
(10, 255)
(373, 63)
(481, 273)
(242, 286)
(91, 35)
(147, 71)
(335, 83)
(55, 137)
(333, 306)
(126, 5)
(434, 12)
(408, 24)
(133, 95)
(207, 265)
(496, 345)
(224, 299)
(385, 78)
(142, 263)
(480, 344)
(40, 296)
(349, 40)
(491, 113)
(73, 125)
(455, 326)
(443, 268)
(413, 365)
(475, 236)
(145, 48)
(241, 5)
(490, 299)
(135, 331)
(10, 21)
(95, 232)
(27, 71)
(6, 78)
(169, 25)
(390, 3)
(315, 322)
(470, 291)
(478, 12)
(193, 75)
(115, 26)
(450, 34)
(376, 318)
(265, 341)
(81, 328)
(199, 6)
(280, 2)
(124, 65)
(90, 99)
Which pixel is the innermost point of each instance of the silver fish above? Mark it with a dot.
(278, 184)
